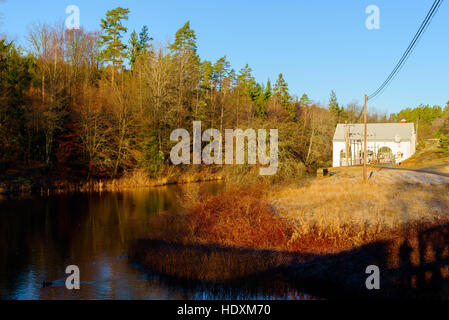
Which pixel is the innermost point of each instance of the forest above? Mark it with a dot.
(79, 104)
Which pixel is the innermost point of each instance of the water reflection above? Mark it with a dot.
(39, 237)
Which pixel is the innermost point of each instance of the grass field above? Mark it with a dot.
(344, 212)
(427, 155)
(322, 216)
(317, 234)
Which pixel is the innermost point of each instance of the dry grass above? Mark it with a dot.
(140, 179)
(289, 232)
(130, 180)
(426, 155)
(343, 213)
(238, 217)
(325, 216)
(210, 263)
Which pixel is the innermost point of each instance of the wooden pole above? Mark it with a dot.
(365, 176)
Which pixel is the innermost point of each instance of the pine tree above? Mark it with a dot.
(229, 80)
(268, 91)
(188, 63)
(14, 79)
(246, 79)
(304, 101)
(260, 99)
(138, 45)
(207, 74)
(133, 48)
(221, 69)
(185, 40)
(281, 92)
(334, 108)
(144, 39)
(113, 29)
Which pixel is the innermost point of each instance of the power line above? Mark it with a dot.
(409, 50)
(433, 10)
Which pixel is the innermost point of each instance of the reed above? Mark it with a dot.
(325, 216)
(346, 213)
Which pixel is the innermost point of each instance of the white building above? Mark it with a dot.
(386, 142)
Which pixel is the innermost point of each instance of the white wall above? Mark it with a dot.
(405, 147)
(337, 147)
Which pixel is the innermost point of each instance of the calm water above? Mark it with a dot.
(41, 236)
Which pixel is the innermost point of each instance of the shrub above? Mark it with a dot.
(239, 217)
(444, 144)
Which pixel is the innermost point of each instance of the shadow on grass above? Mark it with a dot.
(413, 267)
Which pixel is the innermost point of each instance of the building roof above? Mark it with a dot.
(377, 131)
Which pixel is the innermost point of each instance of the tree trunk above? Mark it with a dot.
(113, 69)
(310, 146)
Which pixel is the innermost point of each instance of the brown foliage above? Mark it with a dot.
(325, 216)
(239, 218)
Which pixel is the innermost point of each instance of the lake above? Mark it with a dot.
(41, 236)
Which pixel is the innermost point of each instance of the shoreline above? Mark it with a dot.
(41, 186)
(320, 237)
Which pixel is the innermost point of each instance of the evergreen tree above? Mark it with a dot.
(207, 74)
(247, 81)
(14, 80)
(188, 67)
(229, 80)
(185, 40)
(304, 101)
(334, 108)
(259, 100)
(144, 39)
(268, 91)
(244, 75)
(133, 48)
(281, 92)
(111, 40)
(221, 70)
(138, 45)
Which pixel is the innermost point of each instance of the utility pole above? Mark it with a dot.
(365, 177)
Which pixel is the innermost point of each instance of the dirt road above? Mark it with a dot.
(433, 169)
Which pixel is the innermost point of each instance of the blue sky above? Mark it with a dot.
(318, 45)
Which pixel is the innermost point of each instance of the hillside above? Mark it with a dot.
(427, 155)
